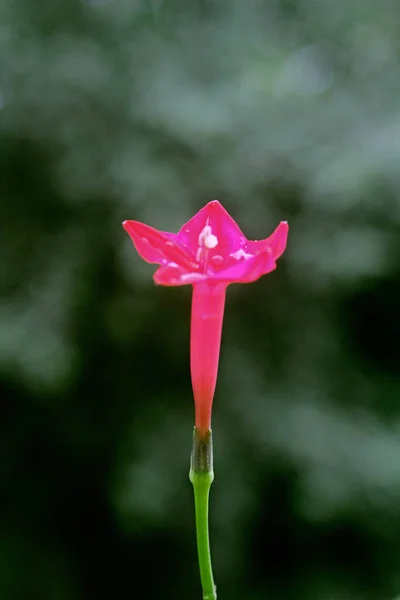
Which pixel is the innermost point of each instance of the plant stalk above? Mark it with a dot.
(202, 475)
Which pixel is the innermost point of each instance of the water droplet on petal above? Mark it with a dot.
(241, 254)
(217, 259)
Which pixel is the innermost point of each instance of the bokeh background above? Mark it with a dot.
(148, 109)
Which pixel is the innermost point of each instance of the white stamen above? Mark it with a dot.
(211, 241)
(207, 238)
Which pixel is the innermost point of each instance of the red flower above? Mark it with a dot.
(209, 252)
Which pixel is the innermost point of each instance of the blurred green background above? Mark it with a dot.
(148, 109)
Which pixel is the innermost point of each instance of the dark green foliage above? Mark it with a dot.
(129, 109)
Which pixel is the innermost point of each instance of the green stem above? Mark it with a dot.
(201, 475)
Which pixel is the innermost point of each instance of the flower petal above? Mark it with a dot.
(159, 247)
(228, 235)
(275, 243)
(246, 270)
(173, 274)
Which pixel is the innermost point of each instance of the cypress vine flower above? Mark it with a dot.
(209, 252)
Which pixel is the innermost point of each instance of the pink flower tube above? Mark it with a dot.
(209, 252)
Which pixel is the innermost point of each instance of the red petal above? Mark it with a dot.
(229, 236)
(159, 247)
(275, 243)
(175, 275)
(247, 270)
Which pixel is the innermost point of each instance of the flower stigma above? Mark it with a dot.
(207, 241)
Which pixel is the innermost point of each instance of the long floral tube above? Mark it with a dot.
(208, 303)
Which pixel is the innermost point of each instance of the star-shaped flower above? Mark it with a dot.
(209, 247)
(209, 252)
